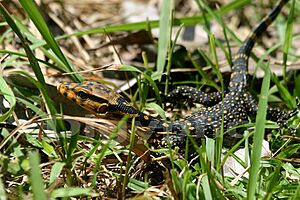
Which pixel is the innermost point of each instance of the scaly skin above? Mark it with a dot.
(235, 109)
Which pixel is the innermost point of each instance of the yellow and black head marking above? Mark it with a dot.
(92, 96)
(98, 98)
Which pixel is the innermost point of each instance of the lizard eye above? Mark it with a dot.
(102, 109)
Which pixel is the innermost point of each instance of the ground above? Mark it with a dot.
(84, 162)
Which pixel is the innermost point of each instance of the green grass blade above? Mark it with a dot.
(235, 148)
(130, 68)
(205, 167)
(216, 16)
(10, 22)
(55, 171)
(113, 135)
(275, 176)
(9, 96)
(215, 67)
(232, 5)
(165, 25)
(38, 111)
(30, 7)
(155, 88)
(32, 59)
(147, 77)
(2, 191)
(129, 158)
(204, 75)
(45, 95)
(258, 136)
(157, 109)
(137, 185)
(72, 144)
(284, 93)
(70, 192)
(297, 193)
(288, 37)
(36, 179)
(170, 56)
(206, 187)
(297, 86)
(41, 44)
(49, 150)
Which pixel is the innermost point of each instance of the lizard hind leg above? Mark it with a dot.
(277, 115)
(282, 117)
(283, 120)
(194, 95)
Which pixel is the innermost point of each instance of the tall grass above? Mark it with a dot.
(64, 167)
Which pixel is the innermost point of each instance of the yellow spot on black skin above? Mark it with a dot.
(166, 125)
(235, 106)
(191, 128)
(268, 21)
(188, 123)
(253, 36)
(164, 132)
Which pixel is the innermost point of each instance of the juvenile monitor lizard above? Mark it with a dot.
(229, 109)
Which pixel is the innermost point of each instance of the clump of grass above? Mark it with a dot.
(52, 162)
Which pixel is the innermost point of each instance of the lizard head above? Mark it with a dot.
(91, 95)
